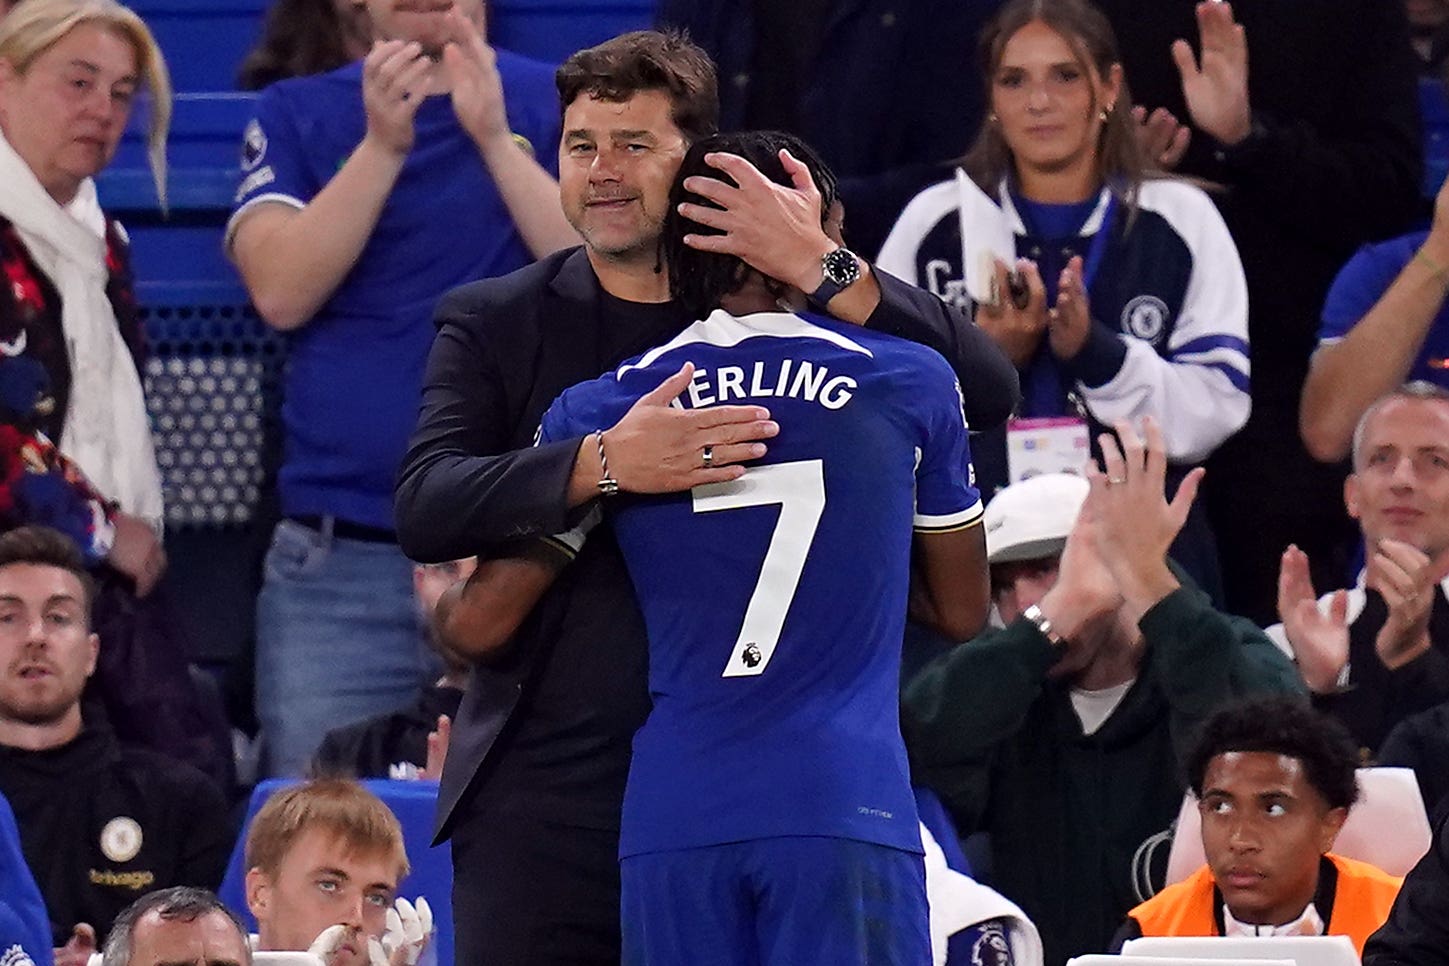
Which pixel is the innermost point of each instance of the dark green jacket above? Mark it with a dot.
(1068, 812)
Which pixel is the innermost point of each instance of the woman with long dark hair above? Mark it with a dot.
(1116, 290)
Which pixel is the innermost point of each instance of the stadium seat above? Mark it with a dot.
(550, 30)
(1387, 828)
(414, 804)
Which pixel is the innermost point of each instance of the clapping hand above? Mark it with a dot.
(1138, 522)
(471, 67)
(1070, 320)
(1216, 90)
(1405, 577)
(394, 83)
(1017, 330)
(1163, 137)
(1319, 640)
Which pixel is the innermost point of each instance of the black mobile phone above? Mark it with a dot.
(1016, 286)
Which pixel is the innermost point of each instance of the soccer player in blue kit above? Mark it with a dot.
(768, 816)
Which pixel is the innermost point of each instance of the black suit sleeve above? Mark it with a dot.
(989, 381)
(463, 485)
(1417, 930)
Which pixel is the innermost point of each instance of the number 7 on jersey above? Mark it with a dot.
(799, 489)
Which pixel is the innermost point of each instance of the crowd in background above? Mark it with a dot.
(1224, 229)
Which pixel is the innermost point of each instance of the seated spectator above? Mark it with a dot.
(1385, 322)
(323, 862)
(1417, 930)
(367, 193)
(75, 438)
(397, 744)
(24, 929)
(1117, 291)
(1379, 651)
(302, 37)
(180, 926)
(100, 824)
(1274, 782)
(1061, 734)
(1421, 742)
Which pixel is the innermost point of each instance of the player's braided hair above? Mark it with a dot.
(698, 280)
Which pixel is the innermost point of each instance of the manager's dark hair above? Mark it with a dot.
(647, 60)
(1281, 725)
(697, 279)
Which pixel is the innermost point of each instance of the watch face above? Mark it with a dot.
(841, 267)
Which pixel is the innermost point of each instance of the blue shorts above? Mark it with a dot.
(776, 902)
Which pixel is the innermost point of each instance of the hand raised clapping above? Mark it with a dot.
(394, 83)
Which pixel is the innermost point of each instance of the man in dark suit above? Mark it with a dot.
(534, 781)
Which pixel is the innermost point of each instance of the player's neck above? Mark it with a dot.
(749, 302)
(633, 277)
(29, 736)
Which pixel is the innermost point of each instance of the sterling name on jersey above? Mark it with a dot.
(776, 603)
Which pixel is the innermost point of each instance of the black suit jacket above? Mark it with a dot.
(472, 480)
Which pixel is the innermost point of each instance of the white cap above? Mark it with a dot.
(1031, 519)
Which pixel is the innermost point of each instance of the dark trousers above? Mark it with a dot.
(534, 893)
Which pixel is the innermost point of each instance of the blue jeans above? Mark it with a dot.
(338, 639)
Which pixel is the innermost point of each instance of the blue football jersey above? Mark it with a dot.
(775, 604)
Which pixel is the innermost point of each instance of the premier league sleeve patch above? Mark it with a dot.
(254, 145)
(991, 947)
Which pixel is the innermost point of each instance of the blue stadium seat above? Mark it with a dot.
(203, 40)
(432, 868)
(550, 30)
(203, 154)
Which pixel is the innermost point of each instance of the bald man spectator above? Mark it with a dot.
(1377, 652)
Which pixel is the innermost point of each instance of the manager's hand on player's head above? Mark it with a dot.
(657, 448)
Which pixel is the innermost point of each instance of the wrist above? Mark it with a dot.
(1436, 245)
(811, 273)
(1236, 131)
(1396, 650)
(1070, 610)
(584, 480)
(1141, 591)
(384, 151)
(500, 142)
